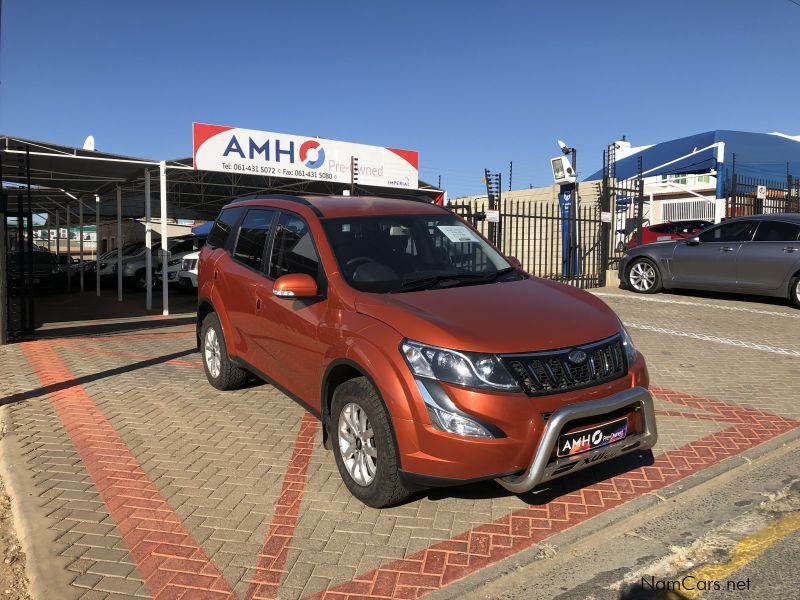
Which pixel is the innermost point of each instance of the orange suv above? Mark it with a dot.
(430, 358)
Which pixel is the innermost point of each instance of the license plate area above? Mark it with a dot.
(589, 438)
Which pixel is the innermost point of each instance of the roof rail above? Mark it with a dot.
(289, 197)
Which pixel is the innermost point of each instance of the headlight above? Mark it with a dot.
(470, 369)
(174, 262)
(627, 344)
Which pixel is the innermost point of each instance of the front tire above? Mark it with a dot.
(794, 291)
(643, 276)
(220, 371)
(363, 445)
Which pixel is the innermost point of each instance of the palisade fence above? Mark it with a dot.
(777, 196)
(531, 231)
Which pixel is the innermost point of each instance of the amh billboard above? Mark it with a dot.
(248, 151)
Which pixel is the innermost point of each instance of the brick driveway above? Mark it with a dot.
(133, 477)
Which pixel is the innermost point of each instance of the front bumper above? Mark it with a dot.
(544, 468)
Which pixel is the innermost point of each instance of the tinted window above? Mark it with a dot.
(666, 228)
(776, 231)
(293, 249)
(222, 226)
(253, 235)
(737, 231)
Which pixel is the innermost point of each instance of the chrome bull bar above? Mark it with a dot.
(543, 469)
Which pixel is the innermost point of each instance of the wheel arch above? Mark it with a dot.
(338, 372)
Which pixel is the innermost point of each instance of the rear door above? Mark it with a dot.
(244, 276)
(711, 264)
(765, 263)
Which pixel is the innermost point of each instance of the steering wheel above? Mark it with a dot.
(358, 260)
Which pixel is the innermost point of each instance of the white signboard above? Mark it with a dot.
(457, 233)
(247, 151)
(761, 192)
(605, 217)
(492, 216)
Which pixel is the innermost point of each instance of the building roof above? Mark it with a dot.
(764, 155)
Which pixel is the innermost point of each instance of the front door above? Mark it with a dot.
(288, 328)
(711, 263)
(765, 263)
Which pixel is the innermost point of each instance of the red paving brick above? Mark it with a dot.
(119, 479)
(174, 566)
(269, 568)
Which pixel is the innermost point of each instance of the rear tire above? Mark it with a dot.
(220, 371)
(794, 291)
(363, 445)
(643, 276)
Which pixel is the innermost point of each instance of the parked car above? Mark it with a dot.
(187, 276)
(174, 265)
(48, 276)
(664, 232)
(752, 255)
(430, 358)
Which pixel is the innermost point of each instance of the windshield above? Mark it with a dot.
(403, 253)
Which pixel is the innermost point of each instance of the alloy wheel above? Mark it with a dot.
(357, 444)
(213, 354)
(642, 276)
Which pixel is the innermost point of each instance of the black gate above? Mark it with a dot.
(16, 250)
(623, 209)
(533, 232)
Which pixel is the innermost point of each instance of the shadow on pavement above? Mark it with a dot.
(101, 329)
(69, 383)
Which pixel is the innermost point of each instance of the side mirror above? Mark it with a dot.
(296, 285)
(693, 241)
(514, 261)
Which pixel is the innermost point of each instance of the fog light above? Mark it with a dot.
(455, 423)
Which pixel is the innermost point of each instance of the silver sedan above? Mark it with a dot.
(751, 255)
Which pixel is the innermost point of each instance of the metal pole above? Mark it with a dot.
(148, 241)
(69, 254)
(58, 234)
(119, 244)
(80, 240)
(3, 263)
(31, 322)
(97, 237)
(162, 167)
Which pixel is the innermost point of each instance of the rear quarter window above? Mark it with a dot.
(220, 232)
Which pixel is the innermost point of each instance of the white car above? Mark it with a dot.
(174, 264)
(187, 276)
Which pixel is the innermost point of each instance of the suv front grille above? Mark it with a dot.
(551, 372)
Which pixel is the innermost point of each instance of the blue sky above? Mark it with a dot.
(467, 84)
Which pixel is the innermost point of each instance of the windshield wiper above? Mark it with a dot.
(452, 280)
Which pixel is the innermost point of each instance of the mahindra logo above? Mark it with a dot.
(577, 357)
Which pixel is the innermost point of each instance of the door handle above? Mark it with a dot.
(258, 303)
(791, 249)
(726, 249)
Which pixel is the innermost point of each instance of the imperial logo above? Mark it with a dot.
(307, 151)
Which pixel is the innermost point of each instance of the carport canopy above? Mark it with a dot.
(63, 180)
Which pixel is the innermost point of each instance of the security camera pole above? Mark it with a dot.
(568, 198)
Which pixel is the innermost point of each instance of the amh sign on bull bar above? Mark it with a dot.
(248, 151)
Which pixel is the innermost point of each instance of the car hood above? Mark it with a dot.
(519, 316)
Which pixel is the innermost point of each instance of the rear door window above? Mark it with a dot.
(221, 230)
(253, 236)
(293, 250)
(776, 231)
(737, 231)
